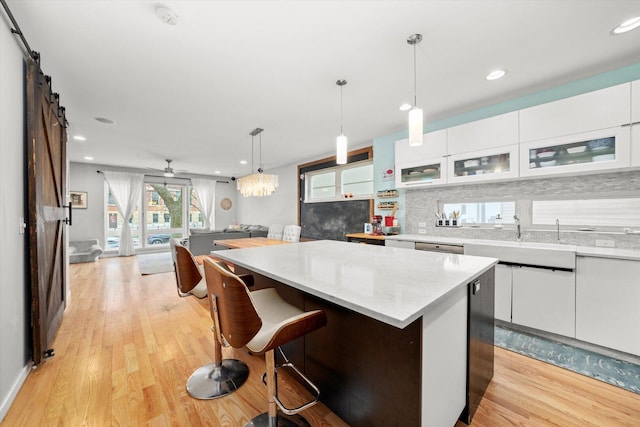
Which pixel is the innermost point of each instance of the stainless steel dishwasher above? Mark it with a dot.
(438, 247)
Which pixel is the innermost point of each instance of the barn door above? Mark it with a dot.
(46, 183)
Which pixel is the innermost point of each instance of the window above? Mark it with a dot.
(588, 213)
(158, 217)
(489, 212)
(354, 180)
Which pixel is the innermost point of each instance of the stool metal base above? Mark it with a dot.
(281, 420)
(216, 380)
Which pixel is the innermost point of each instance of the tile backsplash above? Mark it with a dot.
(422, 203)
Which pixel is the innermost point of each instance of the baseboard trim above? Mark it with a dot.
(13, 391)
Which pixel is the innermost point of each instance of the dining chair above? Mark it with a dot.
(275, 232)
(221, 376)
(261, 321)
(291, 233)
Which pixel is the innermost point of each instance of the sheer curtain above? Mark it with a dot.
(126, 188)
(206, 193)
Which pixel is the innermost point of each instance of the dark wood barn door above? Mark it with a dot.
(46, 183)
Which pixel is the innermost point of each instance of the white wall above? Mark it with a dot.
(14, 303)
(279, 208)
(89, 223)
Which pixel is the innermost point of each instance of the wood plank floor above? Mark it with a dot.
(128, 343)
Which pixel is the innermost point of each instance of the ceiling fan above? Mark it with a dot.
(168, 171)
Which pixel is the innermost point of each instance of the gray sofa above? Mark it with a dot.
(84, 251)
(201, 240)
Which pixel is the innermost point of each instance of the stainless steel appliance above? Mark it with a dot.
(438, 247)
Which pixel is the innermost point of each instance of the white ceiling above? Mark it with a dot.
(193, 92)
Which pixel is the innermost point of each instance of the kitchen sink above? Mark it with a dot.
(538, 254)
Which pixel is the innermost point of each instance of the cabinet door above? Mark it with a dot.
(434, 145)
(503, 292)
(607, 301)
(485, 165)
(635, 145)
(591, 151)
(635, 101)
(544, 299)
(493, 132)
(601, 109)
(421, 173)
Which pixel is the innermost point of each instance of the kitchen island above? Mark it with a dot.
(399, 345)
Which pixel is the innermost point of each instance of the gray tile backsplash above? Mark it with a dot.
(422, 203)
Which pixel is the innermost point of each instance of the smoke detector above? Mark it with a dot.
(166, 15)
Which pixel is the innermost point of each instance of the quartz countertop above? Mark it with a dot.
(592, 251)
(392, 285)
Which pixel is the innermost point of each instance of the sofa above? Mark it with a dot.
(84, 251)
(201, 240)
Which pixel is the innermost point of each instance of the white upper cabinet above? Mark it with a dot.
(635, 118)
(635, 101)
(493, 132)
(485, 165)
(601, 109)
(434, 145)
(635, 145)
(584, 152)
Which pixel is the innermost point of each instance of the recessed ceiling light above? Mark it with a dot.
(217, 172)
(628, 25)
(496, 74)
(88, 158)
(79, 138)
(104, 120)
(166, 15)
(405, 107)
(243, 162)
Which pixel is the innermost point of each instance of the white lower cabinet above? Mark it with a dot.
(608, 303)
(503, 281)
(544, 299)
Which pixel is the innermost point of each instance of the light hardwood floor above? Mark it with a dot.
(128, 343)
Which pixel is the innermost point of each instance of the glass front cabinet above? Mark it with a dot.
(486, 165)
(597, 150)
(421, 173)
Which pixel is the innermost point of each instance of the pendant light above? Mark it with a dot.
(415, 114)
(257, 184)
(341, 140)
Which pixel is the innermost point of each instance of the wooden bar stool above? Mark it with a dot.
(222, 376)
(262, 321)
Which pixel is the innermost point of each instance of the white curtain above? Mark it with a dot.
(126, 188)
(206, 193)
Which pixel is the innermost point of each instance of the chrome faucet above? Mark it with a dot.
(558, 230)
(518, 233)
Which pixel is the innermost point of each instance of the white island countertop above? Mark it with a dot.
(395, 286)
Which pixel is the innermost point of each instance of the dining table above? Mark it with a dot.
(249, 242)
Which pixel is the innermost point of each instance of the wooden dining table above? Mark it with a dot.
(249, 242)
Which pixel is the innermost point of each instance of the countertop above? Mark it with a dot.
(392, 285)
(591, 251)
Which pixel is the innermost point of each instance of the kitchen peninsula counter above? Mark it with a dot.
(395, 349)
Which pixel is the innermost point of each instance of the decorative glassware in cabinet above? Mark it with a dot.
(497, 163)
(591, 151)
(420, 173)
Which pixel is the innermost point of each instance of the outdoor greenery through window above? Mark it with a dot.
(341, 182)
(159, 218)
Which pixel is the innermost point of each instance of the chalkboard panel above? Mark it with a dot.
(332, 220)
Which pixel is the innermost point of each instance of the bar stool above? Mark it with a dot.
(222, 376)
(189, 276)
(262, 321)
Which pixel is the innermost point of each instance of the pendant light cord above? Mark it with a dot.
(341, 133)
(415, 84)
